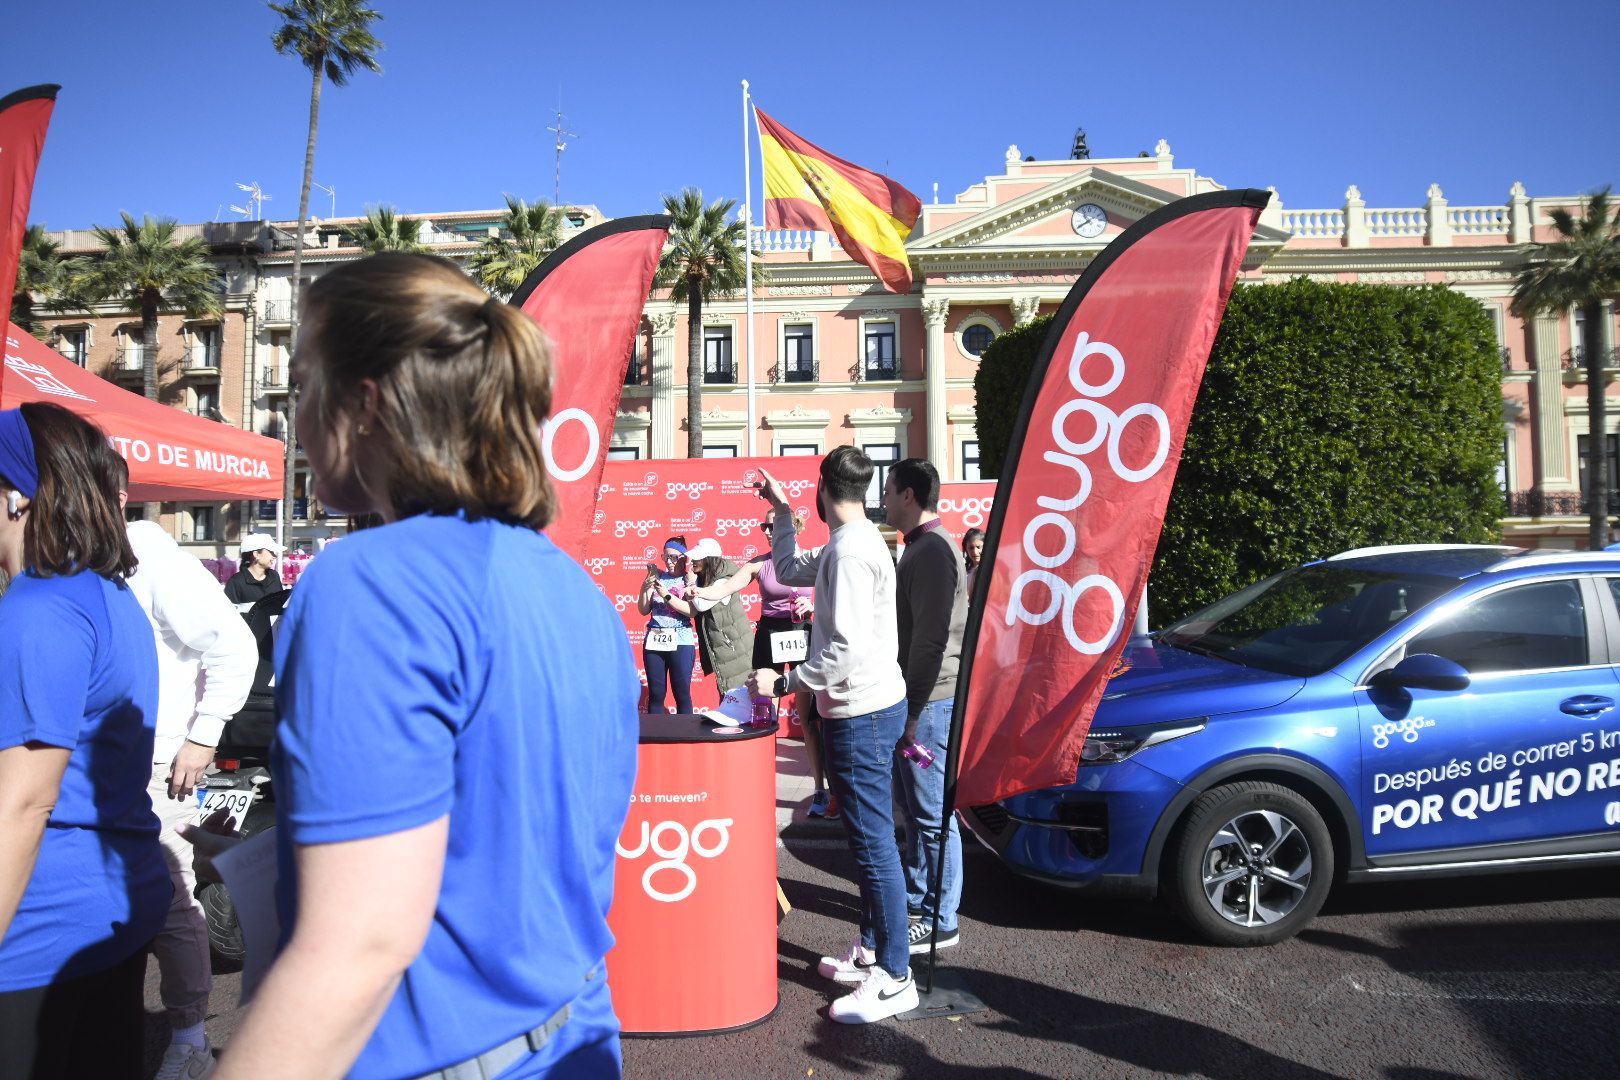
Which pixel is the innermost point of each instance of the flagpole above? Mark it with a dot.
(748, 265)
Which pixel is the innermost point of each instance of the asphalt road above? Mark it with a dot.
(1491, 977)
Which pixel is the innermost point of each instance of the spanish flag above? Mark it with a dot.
(808, 188)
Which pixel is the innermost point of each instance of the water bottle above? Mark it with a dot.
(795, 615)
(762, 711)
(919, 755)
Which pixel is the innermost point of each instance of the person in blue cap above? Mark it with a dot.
(457, 712)
(83, 882)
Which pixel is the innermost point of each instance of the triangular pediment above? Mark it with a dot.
(1040, 218)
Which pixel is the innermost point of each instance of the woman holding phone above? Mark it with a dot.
(671, 643)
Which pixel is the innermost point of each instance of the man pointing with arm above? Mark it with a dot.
(861, 696)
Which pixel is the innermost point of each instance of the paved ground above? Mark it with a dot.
(1498, 977)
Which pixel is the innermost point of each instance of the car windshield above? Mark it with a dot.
(1304, 621)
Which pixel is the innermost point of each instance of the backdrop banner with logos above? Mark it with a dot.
(172, 455)
(642, 503)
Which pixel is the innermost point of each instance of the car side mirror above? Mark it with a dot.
(1423, 671)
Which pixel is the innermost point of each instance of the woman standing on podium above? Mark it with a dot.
(444, 907)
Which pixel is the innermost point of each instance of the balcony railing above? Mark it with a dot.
(131, 357)
(632, 374)
(1540, 504)
(725, 374)
(278, 311)
(1575, 359)
(203, 357)
(800, 371)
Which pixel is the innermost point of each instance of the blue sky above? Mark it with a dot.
(165, 105)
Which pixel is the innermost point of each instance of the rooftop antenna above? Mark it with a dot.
(562, 135)
(330, 191)
(256, 197)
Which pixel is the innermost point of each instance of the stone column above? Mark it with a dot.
(661, 376)
(1439, 223)
(1552, 441)
(1355, 218)
(935, 309)
(1518, 215)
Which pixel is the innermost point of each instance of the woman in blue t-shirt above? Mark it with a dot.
(457, 711)
(83, 883)
(671, 643)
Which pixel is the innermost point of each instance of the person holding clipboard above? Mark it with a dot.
(671, 643)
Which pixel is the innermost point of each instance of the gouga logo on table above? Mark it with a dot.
(671, 843)
(1108, 427)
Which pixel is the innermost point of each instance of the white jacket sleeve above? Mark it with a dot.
(190, 605)
(793, 565)
(846, 635)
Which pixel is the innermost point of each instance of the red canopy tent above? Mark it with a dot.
(172, 455)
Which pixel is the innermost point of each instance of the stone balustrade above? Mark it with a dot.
(776, 241)
(1435, 223)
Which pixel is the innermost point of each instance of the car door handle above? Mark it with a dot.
(1587, 705)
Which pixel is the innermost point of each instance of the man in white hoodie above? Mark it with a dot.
(853, 669)
(206, 661)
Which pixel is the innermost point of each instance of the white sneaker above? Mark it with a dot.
(182, 1061)
(850, 969)
(880, 996)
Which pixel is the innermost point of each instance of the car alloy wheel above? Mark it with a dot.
(1250, 863)
(1257, 868)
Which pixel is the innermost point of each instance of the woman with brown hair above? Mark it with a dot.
(83, 883)
(444, 908)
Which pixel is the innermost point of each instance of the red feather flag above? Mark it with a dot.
(1080, 506)
(24, 116)
(587, 296)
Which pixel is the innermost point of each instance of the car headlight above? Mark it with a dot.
(1111, 746)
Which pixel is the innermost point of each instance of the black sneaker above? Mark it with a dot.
(921, 937)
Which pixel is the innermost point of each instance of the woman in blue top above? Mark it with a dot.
(457, 712)
(671, 643)
(83, 883)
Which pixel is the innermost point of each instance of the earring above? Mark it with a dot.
(361, 429)
(13, 511)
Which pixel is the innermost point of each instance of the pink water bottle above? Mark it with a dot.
(762, 711)
(919, 755)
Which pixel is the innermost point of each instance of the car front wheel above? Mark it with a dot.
(1252, 864)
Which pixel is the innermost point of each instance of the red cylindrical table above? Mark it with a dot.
(694, 896)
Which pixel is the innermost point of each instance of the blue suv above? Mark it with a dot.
(1387, 713)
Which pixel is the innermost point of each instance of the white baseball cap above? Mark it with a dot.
(706, 548)
(259, 542)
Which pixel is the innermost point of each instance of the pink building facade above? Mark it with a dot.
(837, 360)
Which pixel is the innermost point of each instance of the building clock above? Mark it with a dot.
(1089, 220)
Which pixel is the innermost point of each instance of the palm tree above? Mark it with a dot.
(702, 260)
(333, 39)
(1579, 270)
(384, 230)
(148, 267)
(529, 232)
(39, 270)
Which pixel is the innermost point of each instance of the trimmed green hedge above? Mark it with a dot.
(1331, 417)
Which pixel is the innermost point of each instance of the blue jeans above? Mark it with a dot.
(922, 793)
(674, 667)
(860, 771)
